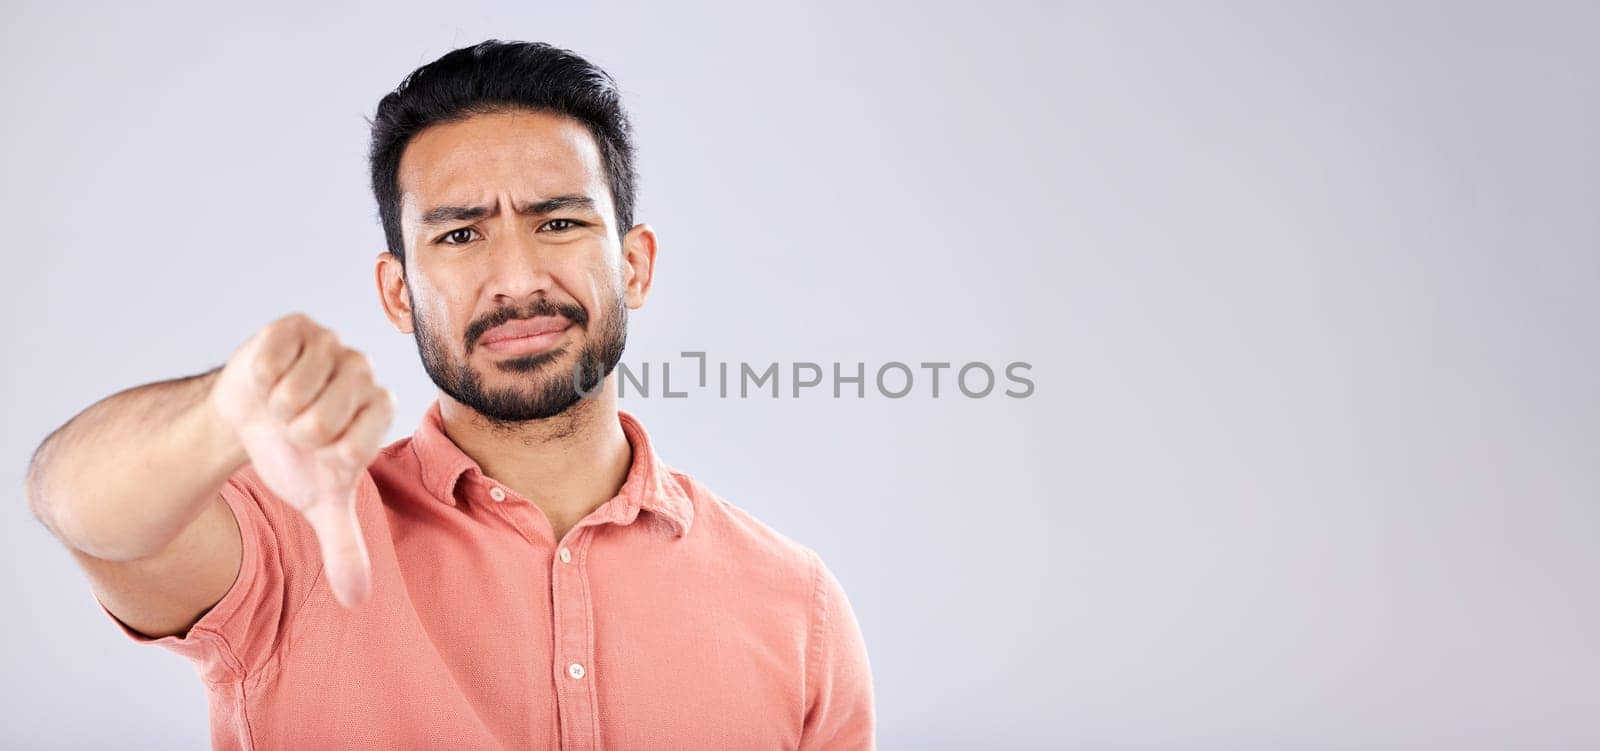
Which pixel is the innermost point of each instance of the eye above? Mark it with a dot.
(457, 236)
(569, 224)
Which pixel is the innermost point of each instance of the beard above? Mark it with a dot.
(546, 387)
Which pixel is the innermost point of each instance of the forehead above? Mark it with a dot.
(528, 155)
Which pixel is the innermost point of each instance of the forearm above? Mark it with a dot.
(122, 479)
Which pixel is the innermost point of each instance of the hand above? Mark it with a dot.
(311, 419)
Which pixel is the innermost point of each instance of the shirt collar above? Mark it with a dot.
(649, 486)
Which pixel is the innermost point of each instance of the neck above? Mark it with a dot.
(567, 465)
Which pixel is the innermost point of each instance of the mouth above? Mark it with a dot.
(526, 336)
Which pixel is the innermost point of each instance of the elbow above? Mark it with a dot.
(33, 492)
(69, 523)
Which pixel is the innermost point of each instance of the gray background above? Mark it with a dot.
(1309, 291)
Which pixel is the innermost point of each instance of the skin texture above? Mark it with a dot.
(520, 416)
(311, 417)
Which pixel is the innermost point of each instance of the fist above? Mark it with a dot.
(311, 418)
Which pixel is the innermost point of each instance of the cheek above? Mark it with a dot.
(608, 294)
(589, 285)
(441, 325)
(434, 301)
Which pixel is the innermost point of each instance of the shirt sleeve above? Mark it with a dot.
(838, 679)
(280, 565)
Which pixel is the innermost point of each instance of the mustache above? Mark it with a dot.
(540, 307)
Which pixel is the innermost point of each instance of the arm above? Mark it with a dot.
(839, 704)
(130, 486)
(134, 485)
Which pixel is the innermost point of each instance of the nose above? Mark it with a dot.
(518, 267)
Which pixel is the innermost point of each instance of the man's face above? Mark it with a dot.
(516, 277)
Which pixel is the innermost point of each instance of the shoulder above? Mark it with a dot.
(775, 568)
(738, 533)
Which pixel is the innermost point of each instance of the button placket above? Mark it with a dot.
(574, 632)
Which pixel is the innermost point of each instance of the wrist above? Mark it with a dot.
(219, 433)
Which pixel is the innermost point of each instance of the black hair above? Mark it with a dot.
(498, 76)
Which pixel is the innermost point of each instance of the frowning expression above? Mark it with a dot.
(516, 276)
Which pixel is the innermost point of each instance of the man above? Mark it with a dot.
(522, 572)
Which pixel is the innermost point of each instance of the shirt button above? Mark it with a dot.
(497, 494)
(575, 670)
(566, 556)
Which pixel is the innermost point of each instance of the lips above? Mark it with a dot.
(525, 327)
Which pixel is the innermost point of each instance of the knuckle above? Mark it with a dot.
(357, 361)
(290, 396)
(282, 403)
(325, 339)
(377, 398)
(323, 427)
(313, 429)
(262, 369)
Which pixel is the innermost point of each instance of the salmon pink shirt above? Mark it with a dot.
(666, 619)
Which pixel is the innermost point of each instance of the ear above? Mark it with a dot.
(638, 264)
(391, 276)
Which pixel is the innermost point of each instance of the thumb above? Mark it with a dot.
(344, 552)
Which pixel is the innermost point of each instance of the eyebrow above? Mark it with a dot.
(450, 214)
